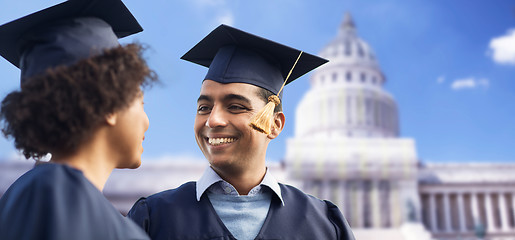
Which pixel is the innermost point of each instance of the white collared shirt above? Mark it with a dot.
(211, 181)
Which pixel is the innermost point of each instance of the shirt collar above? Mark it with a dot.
(210, 177)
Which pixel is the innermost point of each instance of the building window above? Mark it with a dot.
(363, 77)
(360, 50)
(335, 77)
(374, 80)
(348, 76)
(347, 48)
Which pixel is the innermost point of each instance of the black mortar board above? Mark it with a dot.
(234, 56)
(65, 33)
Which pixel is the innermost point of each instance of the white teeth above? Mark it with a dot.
(218, 141)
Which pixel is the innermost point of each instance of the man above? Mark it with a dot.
(237, 198)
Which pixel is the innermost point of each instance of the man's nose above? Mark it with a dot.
(217, 118)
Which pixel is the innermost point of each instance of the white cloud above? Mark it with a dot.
(218, 11)
(503, 48)
(226, 18)
(470, 83)
(440, 79)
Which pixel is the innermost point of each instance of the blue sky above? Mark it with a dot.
(449, 64)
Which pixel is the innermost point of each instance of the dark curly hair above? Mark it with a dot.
(56, 110)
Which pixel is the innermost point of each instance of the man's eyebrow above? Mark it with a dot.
(204, 98)
(236, 97)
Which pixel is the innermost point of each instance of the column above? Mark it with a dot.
(353, 203)
(307, 186)
(461, 212)
(475, 209)
(359, 206)
(315, 188)
(503, 210)
(325, 191)
(490, 223)
(375, 200)
(447, 212)
(342, 195)
(432, 213)
(386, 208)
(395, 204)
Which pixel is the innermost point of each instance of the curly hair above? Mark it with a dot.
(56, 110)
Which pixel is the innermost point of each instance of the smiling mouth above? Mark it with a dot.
(220, 141)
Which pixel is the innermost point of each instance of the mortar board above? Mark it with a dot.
(235, 56)
(64, 34)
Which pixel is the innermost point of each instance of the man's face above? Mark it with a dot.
(222, 126)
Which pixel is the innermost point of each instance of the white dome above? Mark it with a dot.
(347, 48)
(346, 98)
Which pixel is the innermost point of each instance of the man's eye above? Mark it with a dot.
(203, 109)
(238, 108)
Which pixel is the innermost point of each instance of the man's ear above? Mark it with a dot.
(278, 125)
(111, 119)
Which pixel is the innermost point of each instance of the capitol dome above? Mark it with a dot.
(347, 98)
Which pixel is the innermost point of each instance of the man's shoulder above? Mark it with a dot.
(185, 192)
(293, 194)
(319, 219)
(167, 206)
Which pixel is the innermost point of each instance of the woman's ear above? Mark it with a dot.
(111, 119)
(278, 125)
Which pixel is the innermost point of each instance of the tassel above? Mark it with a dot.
(262, 121)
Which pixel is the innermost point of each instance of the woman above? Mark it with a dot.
(86, 111)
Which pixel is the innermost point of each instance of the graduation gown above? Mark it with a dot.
(176, 214)
(54, 201)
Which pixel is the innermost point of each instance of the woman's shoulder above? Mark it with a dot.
(52, 194)
(47, 183)
(49, 176)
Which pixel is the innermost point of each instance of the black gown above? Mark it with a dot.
(54, 201)
(176, 214)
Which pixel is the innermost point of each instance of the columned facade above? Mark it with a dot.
(373, 205)
(498, 221)
(473, 197)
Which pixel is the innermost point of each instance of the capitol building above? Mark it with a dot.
(346, 148)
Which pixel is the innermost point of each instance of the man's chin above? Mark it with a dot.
(219, 162)
(225, 165)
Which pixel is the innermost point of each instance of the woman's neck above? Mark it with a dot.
(92, 158)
